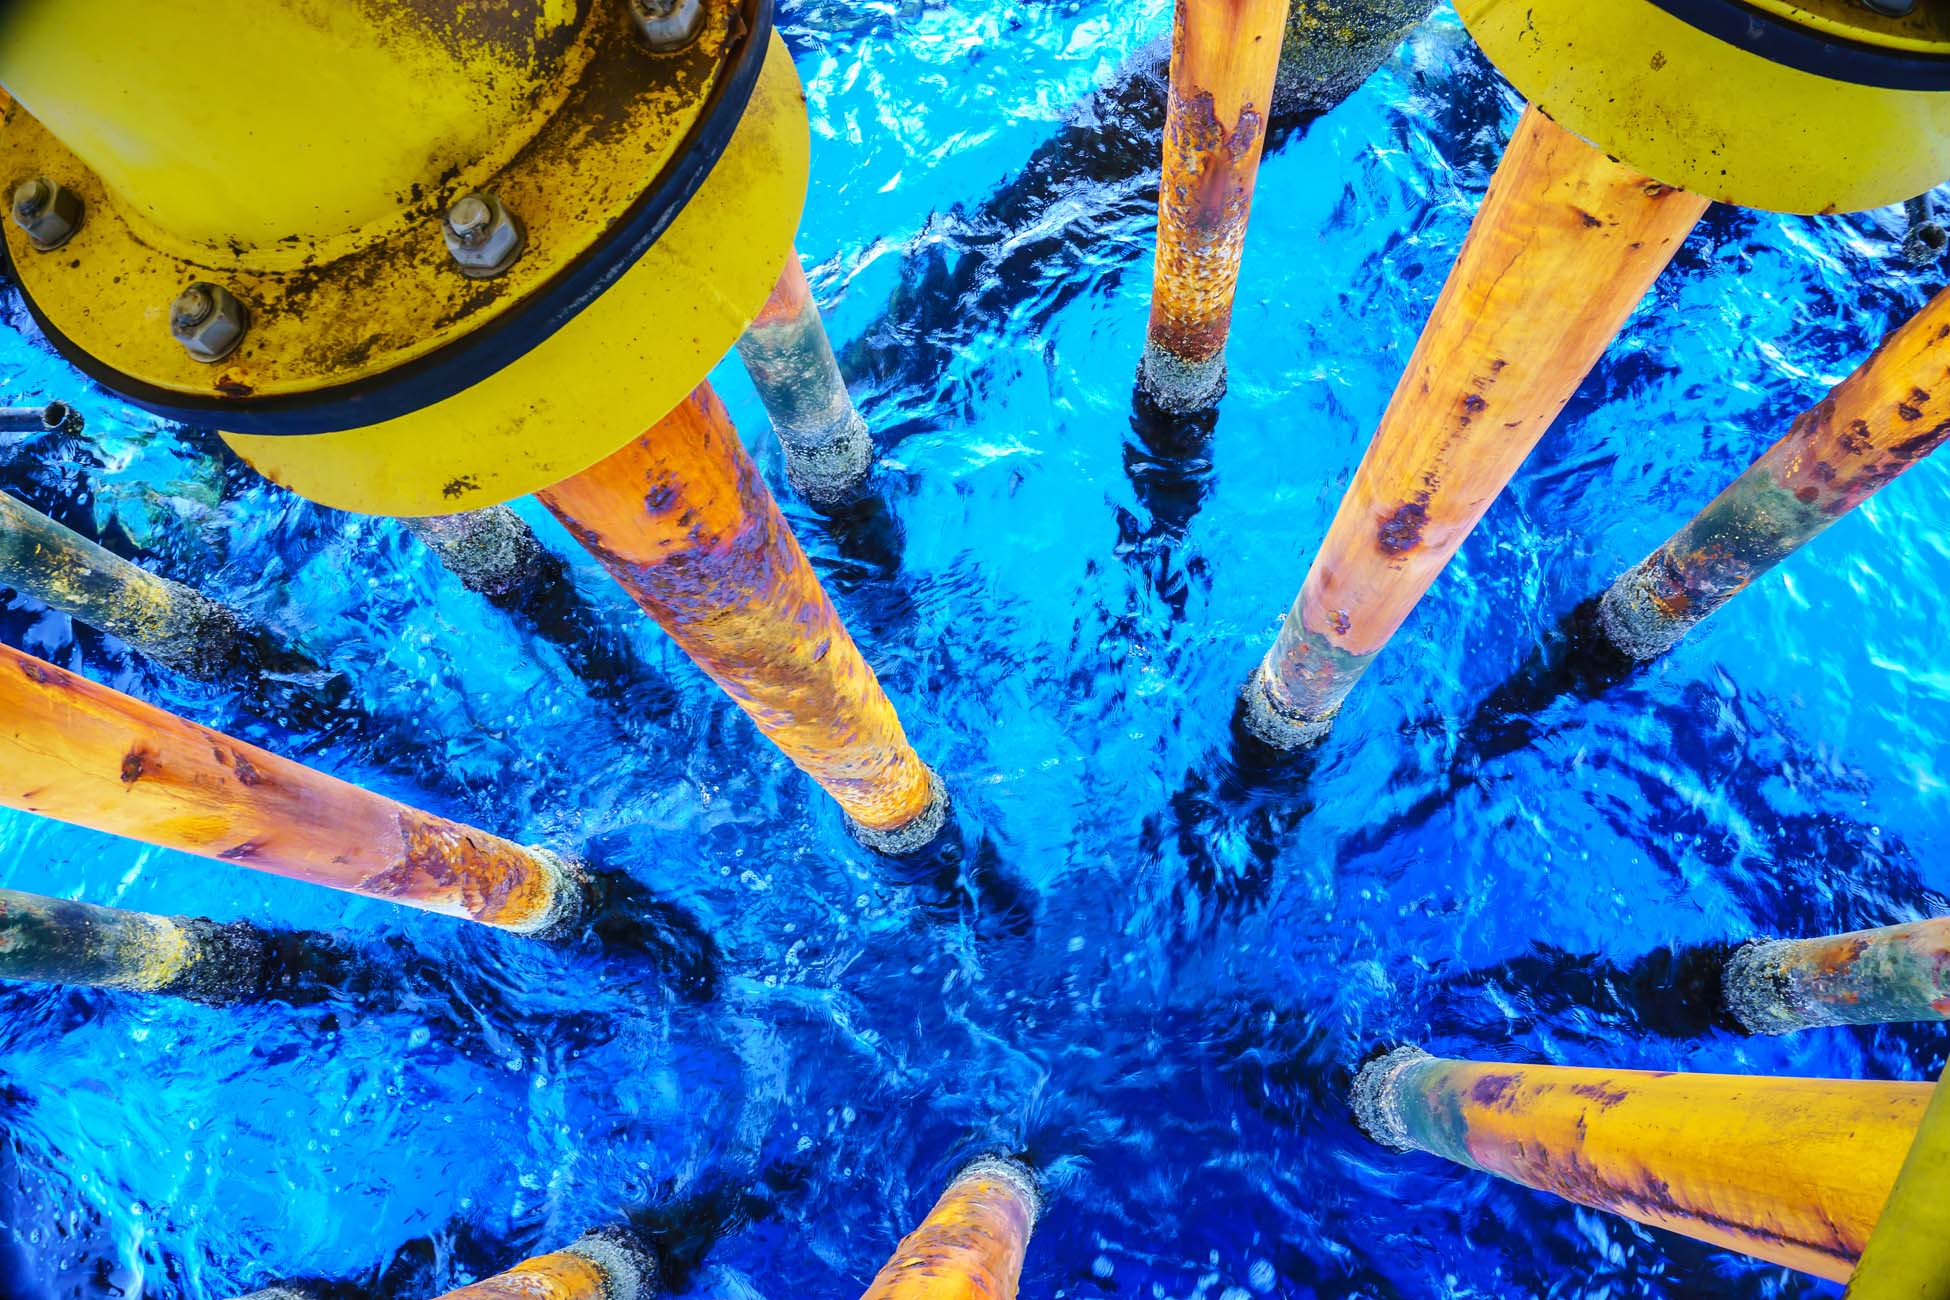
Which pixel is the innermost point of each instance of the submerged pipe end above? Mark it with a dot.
(1271, 722)
(1758, 994)
(570, 899)
(1376, 1097)
(1633, 621)
(628, 1266)
(912, 836)
(1013, 1173)
(831, 469)
(1181, 385)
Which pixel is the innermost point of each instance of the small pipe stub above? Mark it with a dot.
(47, 213)
(1926, 239)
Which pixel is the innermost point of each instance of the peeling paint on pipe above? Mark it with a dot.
(1888, 415)
(1868, 977)
(971, 1244)
(1792, 1171)
(828, 451)
(55, 941)
(82, 753)
(606, 1265)
(682, 520)
(1566, 243)
(1225, 55)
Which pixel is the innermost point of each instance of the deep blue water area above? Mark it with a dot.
(1158, 992)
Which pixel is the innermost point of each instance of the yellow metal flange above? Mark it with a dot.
(304, 167)
(1815, 106)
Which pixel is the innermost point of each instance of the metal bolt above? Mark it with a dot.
(482, 236)
(48, 214)
(208, 321)
(668, 25)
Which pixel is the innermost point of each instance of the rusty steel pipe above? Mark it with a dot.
(1225, 55)
(1908, 1256)
(56, 941)
(79, 752)
(1792, 1171)
(1890, 413)
(1868, 977)
(682, 520)
(53, 417)
(972, 1242)
(828, 451)
(1566, 243)
(609, 1264)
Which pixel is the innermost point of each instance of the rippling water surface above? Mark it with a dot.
(1157, 991)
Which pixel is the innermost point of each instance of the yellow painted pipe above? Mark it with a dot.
(58, 941)
(1867, 977)
(81, 753)
(611, 1264)
(1908, 1257)
(971, 1245)
(1565, 245)
(1792, 1171)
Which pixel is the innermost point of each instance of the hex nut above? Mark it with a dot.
(483, 237)
(208, 321)
(46, 212)
(668, 26)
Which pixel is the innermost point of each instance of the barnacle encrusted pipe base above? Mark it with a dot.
(828, 451)
(682, 520)
(1792, 1171)
(492, 551)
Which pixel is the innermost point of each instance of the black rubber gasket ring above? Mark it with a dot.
(440, 374)
(1807, 50)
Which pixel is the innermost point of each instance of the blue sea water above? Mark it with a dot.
(1158, 994)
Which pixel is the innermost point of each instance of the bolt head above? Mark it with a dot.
(46, 213)
(668, 25)
(483, 237)
(208, 321)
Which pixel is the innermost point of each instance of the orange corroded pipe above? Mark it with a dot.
(1225, 55)
(1565, 244)
(971, 1245)
(1867, 977)
(828, 452)
(611, 1264)
(1792, 1171)
(1889, 414)
(79, 752)
(682, 520)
